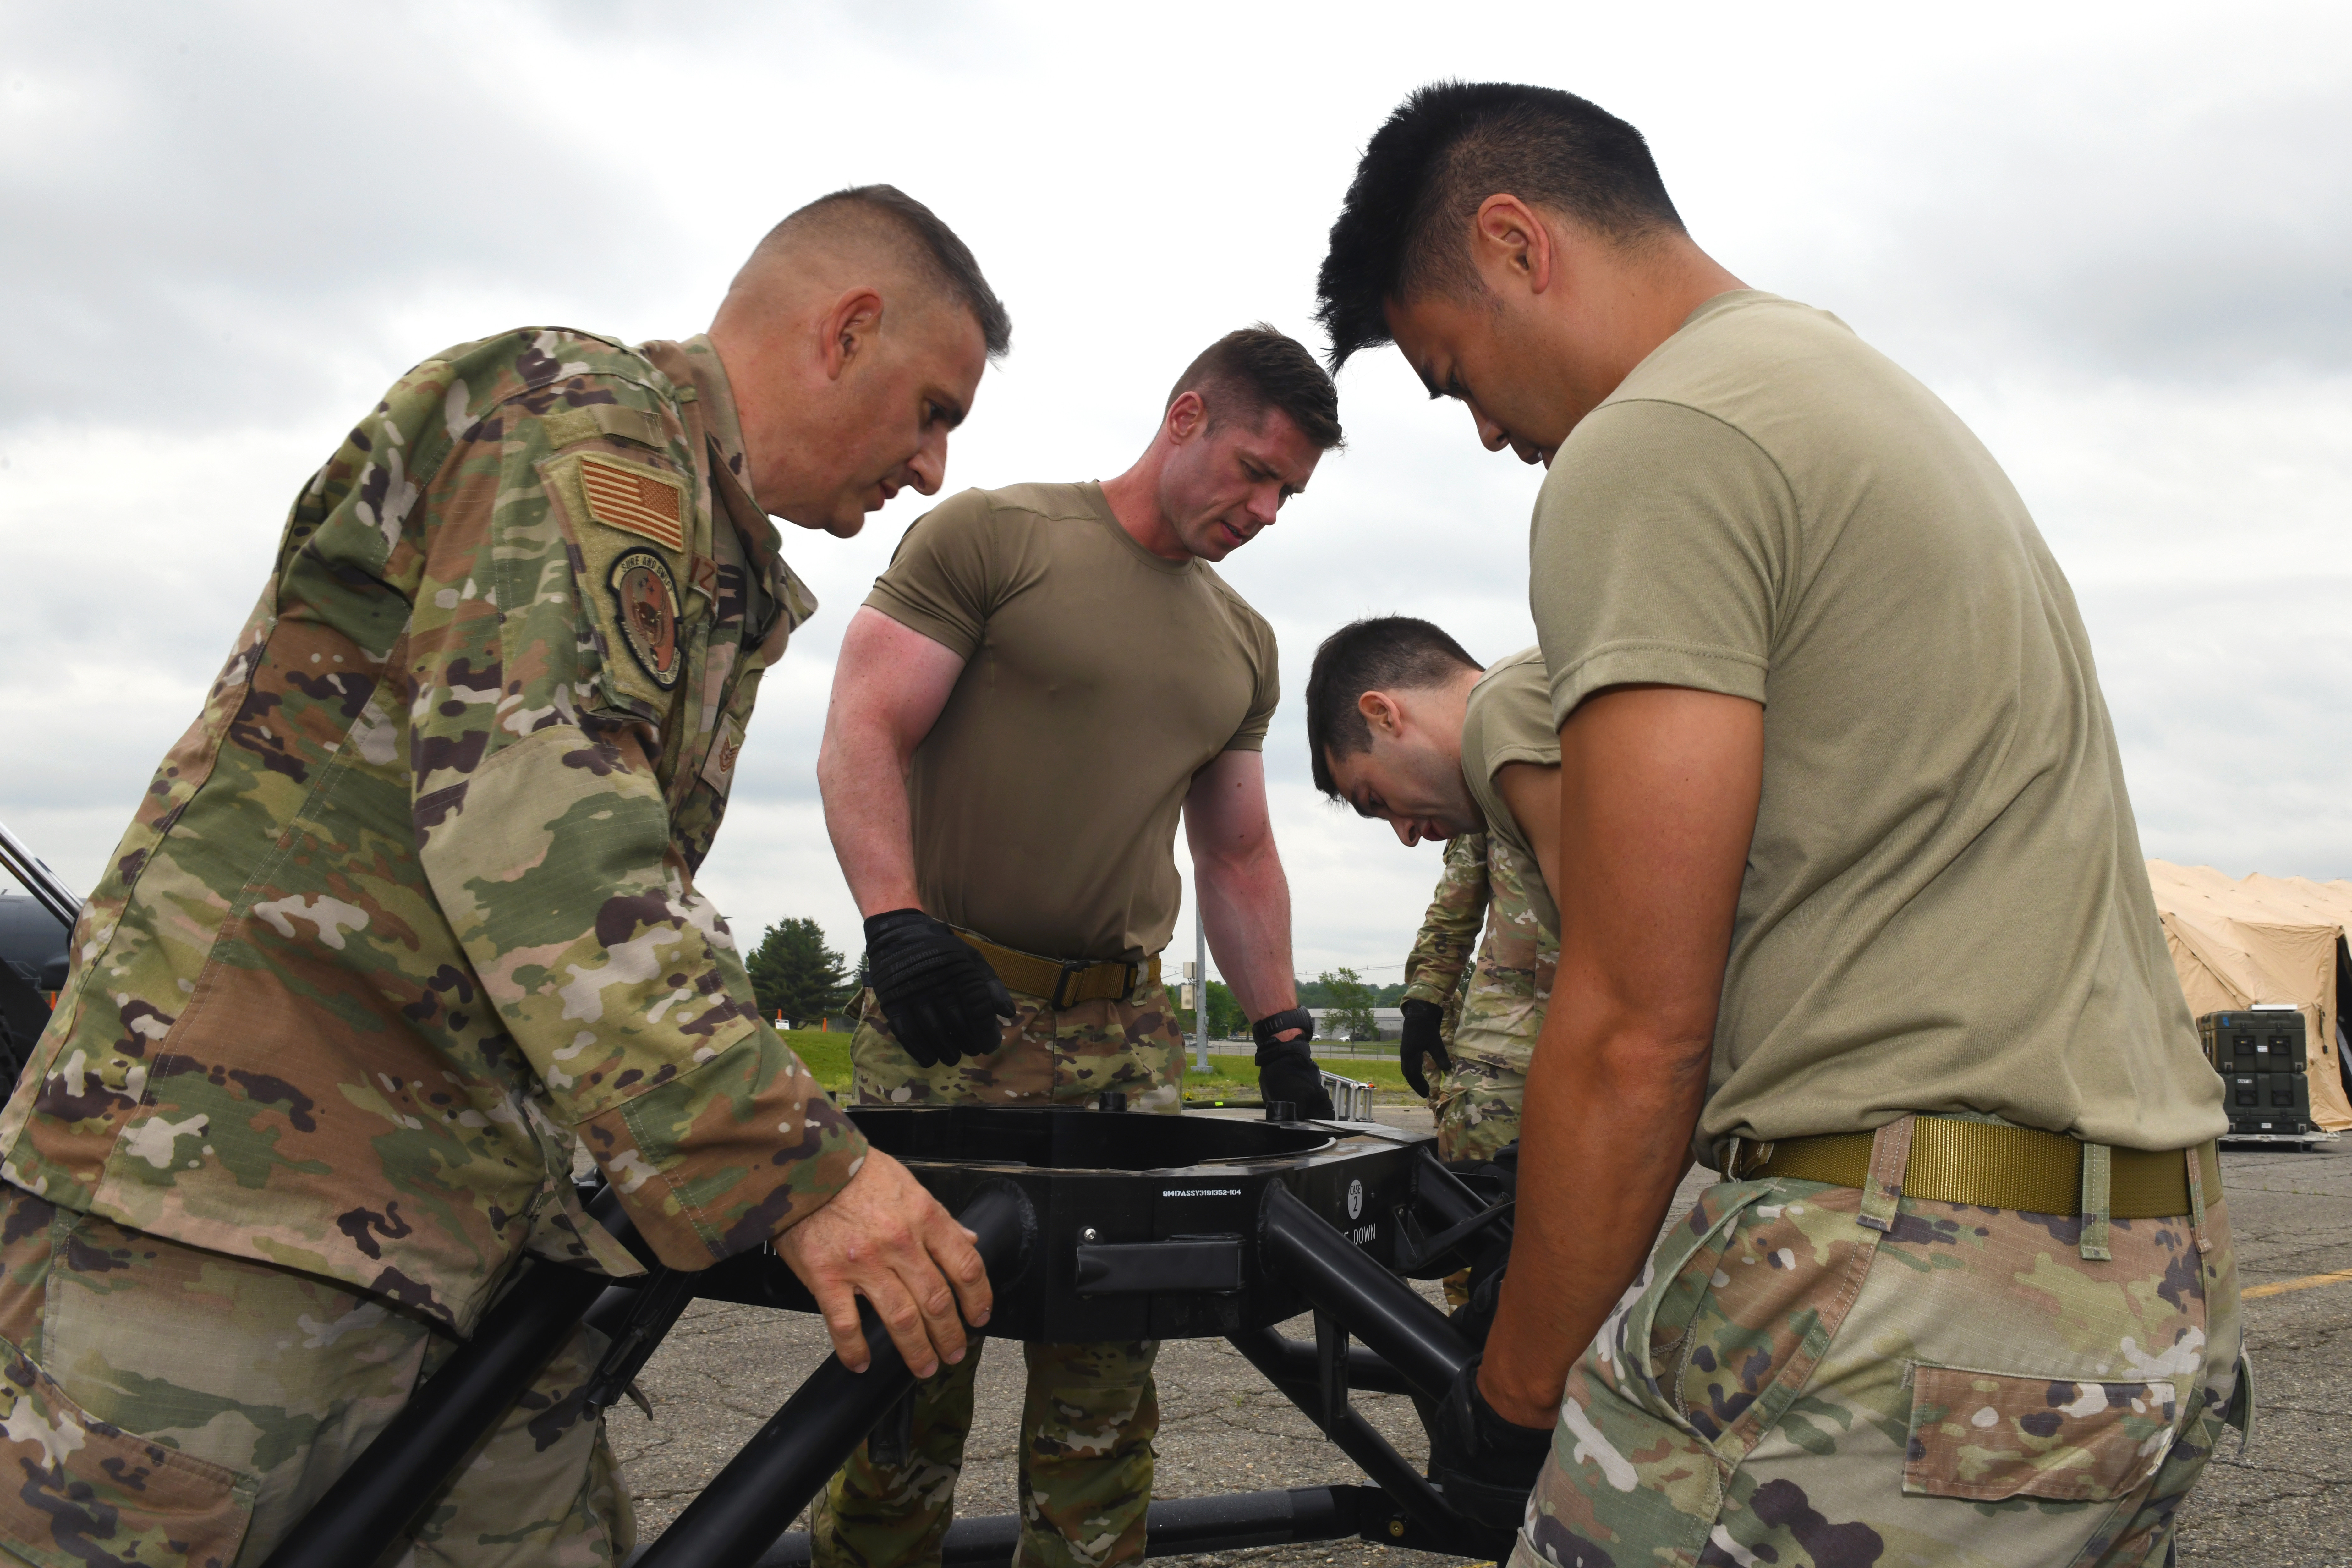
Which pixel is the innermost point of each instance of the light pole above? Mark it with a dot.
(1200, 993)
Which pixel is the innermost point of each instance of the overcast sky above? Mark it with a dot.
(2118, 240)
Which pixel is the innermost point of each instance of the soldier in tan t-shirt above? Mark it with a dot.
(1047, 678)
(1403, 726)
(1855, 912)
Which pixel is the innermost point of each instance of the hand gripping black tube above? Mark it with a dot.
(769, 1482)
(1377, 1308)
(380, 1494)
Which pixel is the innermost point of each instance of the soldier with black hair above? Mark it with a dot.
(1854, 911)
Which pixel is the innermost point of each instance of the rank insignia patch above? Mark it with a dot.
(624, 496)
(646, 597)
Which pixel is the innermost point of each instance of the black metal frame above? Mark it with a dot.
(1073, 1253)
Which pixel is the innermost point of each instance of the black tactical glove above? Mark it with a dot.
(1475, 1319)
(1424, 1028)
(1486, 1465)
(940, 996)
(1285, 1068)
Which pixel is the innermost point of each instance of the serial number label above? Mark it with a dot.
(1201, 1191)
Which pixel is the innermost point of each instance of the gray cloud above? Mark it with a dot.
(2116, 243)
(211, 209)
(2135, 226)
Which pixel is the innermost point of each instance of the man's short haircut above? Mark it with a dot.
(1382, 653)
(1403, 229)
(929, 246)
(1247, 372)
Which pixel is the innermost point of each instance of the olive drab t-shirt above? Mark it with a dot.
(1509, 720)
(1945, 907)
(1098, 679)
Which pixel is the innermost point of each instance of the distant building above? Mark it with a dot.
(1390, 1021)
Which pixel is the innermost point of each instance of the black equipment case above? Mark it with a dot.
(2265, 1040)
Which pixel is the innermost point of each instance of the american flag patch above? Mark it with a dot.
(626, 496)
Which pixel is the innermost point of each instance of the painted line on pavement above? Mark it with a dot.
(2308, 1282)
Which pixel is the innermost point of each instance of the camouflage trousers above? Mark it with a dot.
(1091, 1411)
(1048, 1057)
(1478, 1107)
(165, 1406)
(1787, 1384)
(1087, 1427)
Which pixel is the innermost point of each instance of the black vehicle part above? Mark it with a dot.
(747, 1505)
(38, 879)
(32, 965)
(380, 1494)
(34, 933)
(1177, 1527)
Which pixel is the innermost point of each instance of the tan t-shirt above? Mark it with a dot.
(1945, 906)
(1509, 720)
(1098, 680)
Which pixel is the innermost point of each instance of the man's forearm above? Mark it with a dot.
(1604, 1138)
(864, 782)
(1246, 908)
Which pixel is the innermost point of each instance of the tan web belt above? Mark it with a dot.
(1991, 1166)
(1065, 983)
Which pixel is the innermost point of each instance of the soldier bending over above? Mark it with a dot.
(1405, 727)
(409, 914)
(1400, 723)
(1854, 913)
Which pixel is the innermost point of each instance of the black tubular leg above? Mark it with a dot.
(1366, 1372)
(1377, 1307)
(772, 1476)
(1355, 1437)
(1179, 1527)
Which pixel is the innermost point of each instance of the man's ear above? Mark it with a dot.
(1382, 713)
(1186, 418)
(1512, 244)
(848, 330)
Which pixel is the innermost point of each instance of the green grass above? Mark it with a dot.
(826, 1054)
(1228, 1078)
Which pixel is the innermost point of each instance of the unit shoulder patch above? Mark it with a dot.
(568, 426)
(635, 499)
(645, 600)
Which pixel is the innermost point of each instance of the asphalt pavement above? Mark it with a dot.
(2283, 1502)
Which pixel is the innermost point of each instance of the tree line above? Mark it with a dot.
(794, 973)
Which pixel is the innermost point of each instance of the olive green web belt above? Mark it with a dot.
(1065, 983)
(1991, 1166)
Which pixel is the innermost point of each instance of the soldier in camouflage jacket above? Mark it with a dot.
(409, 913)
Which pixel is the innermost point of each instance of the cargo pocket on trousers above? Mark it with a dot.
(1987, 1435)
(75, 1490)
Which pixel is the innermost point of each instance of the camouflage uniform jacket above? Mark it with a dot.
(1449, 932)
(1503, 1004)
(411, 905)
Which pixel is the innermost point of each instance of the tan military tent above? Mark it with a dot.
(2242, 941)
